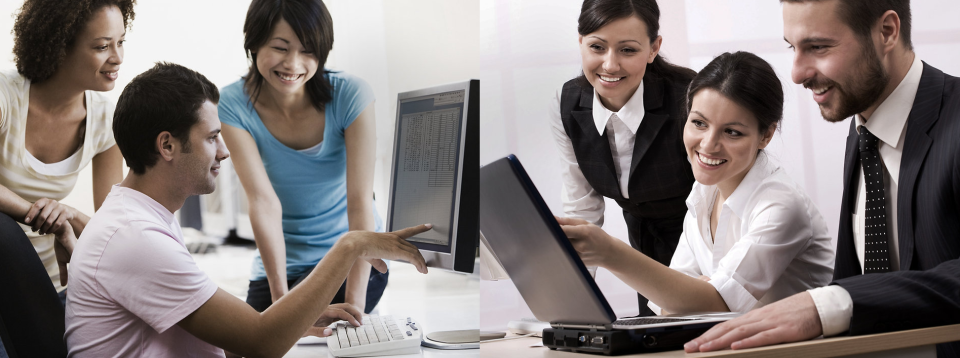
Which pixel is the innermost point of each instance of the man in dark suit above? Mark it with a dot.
(897, 263)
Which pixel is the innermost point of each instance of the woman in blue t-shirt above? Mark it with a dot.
(303, 143)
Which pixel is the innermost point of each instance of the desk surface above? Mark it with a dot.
(439, 300)
(830, 347)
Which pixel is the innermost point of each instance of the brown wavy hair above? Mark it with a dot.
(46, 29)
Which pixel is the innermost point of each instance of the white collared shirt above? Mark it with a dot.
(579, 198)
(889, 124)
(771, 241)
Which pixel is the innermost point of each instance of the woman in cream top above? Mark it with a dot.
(54, 122)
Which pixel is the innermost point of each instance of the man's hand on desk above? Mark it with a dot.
(791, 319)
(333, 313)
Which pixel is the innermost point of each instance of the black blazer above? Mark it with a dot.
(926, 290)
(660, 175)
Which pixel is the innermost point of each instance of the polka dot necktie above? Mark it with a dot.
(876, 258)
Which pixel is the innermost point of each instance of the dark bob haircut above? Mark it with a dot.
(595, 14)
(313, 25)
(860, 15)
(745, 79)
(46, 29)
(165, 98)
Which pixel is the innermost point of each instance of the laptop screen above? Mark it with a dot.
(537, 256)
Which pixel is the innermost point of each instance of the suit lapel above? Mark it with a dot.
(653, 120)
(600, 144)
(925, 112)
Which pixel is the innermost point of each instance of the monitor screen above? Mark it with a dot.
(427, 147)
(434, 172)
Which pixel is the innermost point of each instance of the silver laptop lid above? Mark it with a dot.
(523, 234)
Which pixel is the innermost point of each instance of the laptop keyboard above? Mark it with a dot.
(639, 321)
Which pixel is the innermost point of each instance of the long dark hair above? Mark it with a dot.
(745, 79)
(313, 25)
(595, 14)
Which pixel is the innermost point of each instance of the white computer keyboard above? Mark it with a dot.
(377, 336)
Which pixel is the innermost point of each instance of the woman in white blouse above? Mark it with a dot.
(751, 236)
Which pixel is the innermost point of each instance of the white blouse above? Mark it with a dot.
(771, 241)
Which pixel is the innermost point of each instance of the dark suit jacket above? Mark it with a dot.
(926, 290)
(660, 175)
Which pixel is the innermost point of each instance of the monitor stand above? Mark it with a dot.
(462, 339)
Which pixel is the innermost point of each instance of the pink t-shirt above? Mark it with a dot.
(131, 280)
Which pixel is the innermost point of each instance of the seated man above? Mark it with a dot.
(135, 289)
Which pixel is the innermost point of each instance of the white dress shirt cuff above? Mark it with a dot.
(835, 308)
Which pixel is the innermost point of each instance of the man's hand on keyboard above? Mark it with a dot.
(376, 246)
(333, 313)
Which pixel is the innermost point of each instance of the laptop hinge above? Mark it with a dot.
(592, 327)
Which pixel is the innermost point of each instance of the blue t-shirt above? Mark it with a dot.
(311, 187)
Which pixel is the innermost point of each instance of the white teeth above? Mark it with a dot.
(709, 161)
(290, 78)
(610, 79)
(820, 91)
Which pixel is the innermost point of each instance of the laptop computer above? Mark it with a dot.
(526, 238)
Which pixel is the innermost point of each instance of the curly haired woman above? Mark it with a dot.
(54, 122)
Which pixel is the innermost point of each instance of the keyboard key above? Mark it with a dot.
(381, 334)
(371, 335)
(362, 336)
(409, 333)
(352, 336)
(342, 335)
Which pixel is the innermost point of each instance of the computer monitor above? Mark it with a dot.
(435, 172)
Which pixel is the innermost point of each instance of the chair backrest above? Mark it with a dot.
(31, 313)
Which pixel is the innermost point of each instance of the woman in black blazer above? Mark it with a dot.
(618, 127)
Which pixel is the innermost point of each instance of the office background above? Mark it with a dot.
(528, 49)
(395, 45)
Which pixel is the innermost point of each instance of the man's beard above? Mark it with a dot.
(865, 87)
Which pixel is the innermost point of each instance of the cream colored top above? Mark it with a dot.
(19, 176)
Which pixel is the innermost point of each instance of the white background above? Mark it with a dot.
(528, 49)
(395, 45)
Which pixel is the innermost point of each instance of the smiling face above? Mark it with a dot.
(615, 58)
(94, 59)
(285, 64)
(200, 162)
(845, 75)
(722, 140)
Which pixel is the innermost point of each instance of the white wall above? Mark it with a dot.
(529, 48)
(395, 45)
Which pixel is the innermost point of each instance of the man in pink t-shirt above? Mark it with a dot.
(135, 289)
